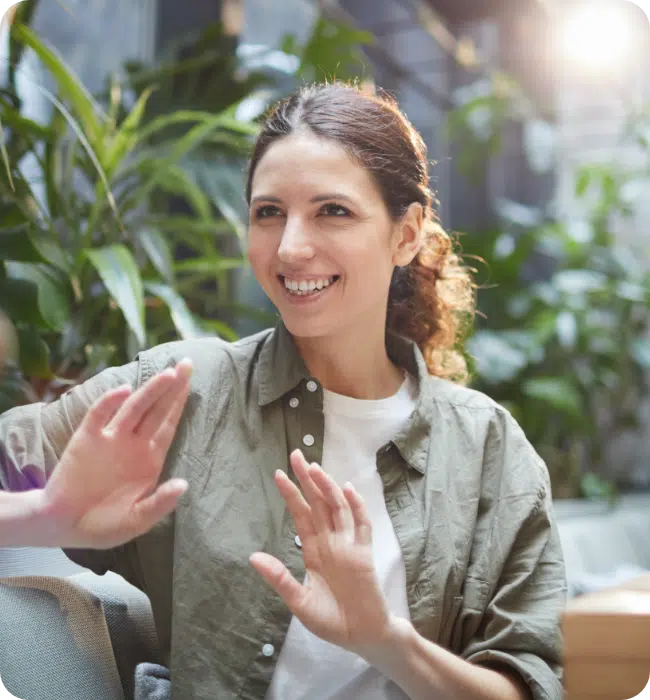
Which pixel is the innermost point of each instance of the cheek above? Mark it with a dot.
(260, 249)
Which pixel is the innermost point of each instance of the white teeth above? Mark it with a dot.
(303, 287)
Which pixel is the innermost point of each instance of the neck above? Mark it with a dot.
(352, 364)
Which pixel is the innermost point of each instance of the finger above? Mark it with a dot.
(297, 506)
(276, 574)
(163, 501)
(166, 407)
(322, 517)
(105, 408)
(339, 508)
(166, 430)
(130, 414)
(362, 524)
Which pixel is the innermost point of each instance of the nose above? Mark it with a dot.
(296, 245)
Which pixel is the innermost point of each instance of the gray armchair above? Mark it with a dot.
(66, 632)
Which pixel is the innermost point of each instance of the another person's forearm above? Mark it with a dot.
(24, 521)
(425, 670)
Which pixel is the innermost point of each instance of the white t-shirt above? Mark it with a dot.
(309, 668)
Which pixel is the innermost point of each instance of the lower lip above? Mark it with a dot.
(302, 300)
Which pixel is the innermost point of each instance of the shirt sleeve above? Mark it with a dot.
(33, 437)
(517, 623)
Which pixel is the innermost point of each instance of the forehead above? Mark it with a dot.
(304, 161)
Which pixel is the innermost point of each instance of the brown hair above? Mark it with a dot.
(431, 301)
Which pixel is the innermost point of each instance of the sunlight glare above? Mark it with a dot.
(598, 36)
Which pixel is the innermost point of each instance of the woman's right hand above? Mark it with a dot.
(103, 492)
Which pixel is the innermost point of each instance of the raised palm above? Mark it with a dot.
(103, 492)
(341, 601)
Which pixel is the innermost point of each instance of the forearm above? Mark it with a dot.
(24, 521)
(424, 670)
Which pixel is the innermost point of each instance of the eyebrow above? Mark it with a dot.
(318, 198)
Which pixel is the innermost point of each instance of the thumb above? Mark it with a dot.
(160, 503)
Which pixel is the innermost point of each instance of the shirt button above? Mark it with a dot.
(268, 650)
(293, 402)
(298, 541)
(308, 440)
(312, 386)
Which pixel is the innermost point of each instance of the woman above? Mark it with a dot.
(422, 559)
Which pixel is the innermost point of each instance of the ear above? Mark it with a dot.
(408, 236)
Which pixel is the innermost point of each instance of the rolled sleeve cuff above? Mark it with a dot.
(544, 682)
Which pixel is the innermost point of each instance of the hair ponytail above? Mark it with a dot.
(431, 301)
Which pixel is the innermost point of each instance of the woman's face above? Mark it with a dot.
(321, 242)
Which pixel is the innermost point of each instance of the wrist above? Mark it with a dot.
(392, 645)
(24, 520)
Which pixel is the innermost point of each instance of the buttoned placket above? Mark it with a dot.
(304, 429)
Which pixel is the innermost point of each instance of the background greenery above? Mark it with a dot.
(562, 336)
(122, 225)
(122, 216)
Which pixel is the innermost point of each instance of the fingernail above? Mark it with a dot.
(185, 363)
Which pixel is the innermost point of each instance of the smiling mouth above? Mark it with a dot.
(312, 287)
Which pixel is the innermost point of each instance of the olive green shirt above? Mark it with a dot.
(468, 497)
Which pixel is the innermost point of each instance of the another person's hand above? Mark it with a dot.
(103, 491)
(341, 601)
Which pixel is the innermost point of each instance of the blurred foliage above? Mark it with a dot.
(122, 216)
(562, 337)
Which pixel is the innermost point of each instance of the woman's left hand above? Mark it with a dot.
(341, 601)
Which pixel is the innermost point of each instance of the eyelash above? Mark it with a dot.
(262, 212)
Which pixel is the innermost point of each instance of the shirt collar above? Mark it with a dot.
(281, 369)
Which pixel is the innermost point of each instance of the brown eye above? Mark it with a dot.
(332, 209)
(266, 211)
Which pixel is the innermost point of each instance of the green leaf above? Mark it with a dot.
(119, 273)
(184, 321)
(157, 250)
(223, 120)
(583, 182)
(222, 329)
(174, 180)
(180, 149)
(19, 299)
(95, 159)
(596, 488)
(34, 354)
(223, 181)
(69, 85)
(53, 297)
(49, 249)
(17, 244)
(209, 265)
(5, 156)
(191, 225)
(559, 393)
(126, 137)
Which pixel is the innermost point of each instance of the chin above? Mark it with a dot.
(307, 328)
